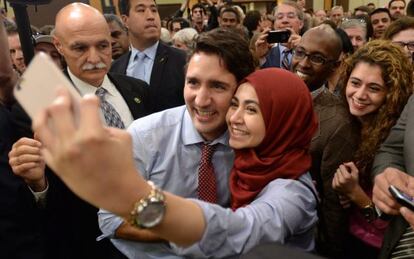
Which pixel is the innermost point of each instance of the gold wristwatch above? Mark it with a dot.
(148, 212)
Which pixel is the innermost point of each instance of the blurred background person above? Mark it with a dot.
(16, 53)
(185, 39)
(380, 20)
(119, 35)
(356, 29)
(320, 16)
(44, 43)
(401, 32)
(397, 9)
(336, 15)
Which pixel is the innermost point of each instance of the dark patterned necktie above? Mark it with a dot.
(285, 59)
(112, 117)
(207, 187)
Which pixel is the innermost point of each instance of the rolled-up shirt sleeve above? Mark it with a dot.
(284, 212)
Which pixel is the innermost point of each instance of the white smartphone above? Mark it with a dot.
(36, 88)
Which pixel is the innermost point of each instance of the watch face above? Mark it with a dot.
(151, 215)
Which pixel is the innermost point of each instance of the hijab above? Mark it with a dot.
(286, 105)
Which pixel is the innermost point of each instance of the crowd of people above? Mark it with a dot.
(199, 138)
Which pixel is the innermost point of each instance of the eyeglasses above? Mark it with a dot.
(315, 59)
(290, 15)
(410, 45)
(346, 19)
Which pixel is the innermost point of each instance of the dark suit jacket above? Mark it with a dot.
(272, 58)
(397, 151)
(72, 224)
(21, 221)
(167, 77)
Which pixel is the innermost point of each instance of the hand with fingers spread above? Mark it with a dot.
(26, 161)
(91, 160)
(381, 195)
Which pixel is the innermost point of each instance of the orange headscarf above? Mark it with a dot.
(286, 106)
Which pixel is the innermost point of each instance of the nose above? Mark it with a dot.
(236, 115)
(361, 93)
(305, 62)
(93, 56)
(203, 97)
(19, 54)
(149, 14)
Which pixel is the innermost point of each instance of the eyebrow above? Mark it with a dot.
(370, 83)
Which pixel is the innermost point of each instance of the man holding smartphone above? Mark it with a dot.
(394, 165)
(290, 17)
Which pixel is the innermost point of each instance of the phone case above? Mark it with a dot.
(36, 89)
(402, 198)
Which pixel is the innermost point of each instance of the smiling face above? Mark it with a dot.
(244, 119)
(315, 43)
(365, 90)
(208, 90)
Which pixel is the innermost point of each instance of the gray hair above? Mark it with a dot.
(354, 23)
(186, 36)
(299, 11)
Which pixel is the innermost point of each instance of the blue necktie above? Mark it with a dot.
(139, 70)
(285, 59)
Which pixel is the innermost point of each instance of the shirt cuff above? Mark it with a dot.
(40, 197)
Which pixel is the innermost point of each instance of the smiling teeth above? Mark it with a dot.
(301, 75)
(205, 113)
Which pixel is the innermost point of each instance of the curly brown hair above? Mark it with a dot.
(397, 74)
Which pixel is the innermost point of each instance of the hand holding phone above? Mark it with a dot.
(402, 198)
(278, 36)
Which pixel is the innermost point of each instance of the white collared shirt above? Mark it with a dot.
(113, 96)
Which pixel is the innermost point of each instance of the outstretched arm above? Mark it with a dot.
(96, 178)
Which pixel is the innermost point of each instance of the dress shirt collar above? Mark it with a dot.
(190, 135)
(150, 52)
(85, 88)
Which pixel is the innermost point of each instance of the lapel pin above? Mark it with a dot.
(137, 100)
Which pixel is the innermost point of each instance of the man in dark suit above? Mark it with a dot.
(394, 165)
(82, 37)
(150, 60)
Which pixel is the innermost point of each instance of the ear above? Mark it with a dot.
(124, 18)
(219, 20)
(58, 45)
(301, 24)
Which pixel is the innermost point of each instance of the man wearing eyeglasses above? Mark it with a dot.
(314, 60)
(401, 32)
(289, 16)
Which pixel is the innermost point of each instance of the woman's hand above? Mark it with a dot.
(346, 179)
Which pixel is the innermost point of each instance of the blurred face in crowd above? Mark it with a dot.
(228, 20)
(143, 23)
(85, 43)
(380, 23)
(197, 15)
(50, 50)
(313, 60)
(244, 119)
(119, 40)
(337, 15)
(16, 53)
(397, 9)
(365, 90)
(287, 17)
(406, 40)
(176, 26)
(266, 23)
(357, 36)
(320, 16)
(208, 90)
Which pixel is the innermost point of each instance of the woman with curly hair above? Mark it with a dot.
(377, 84)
